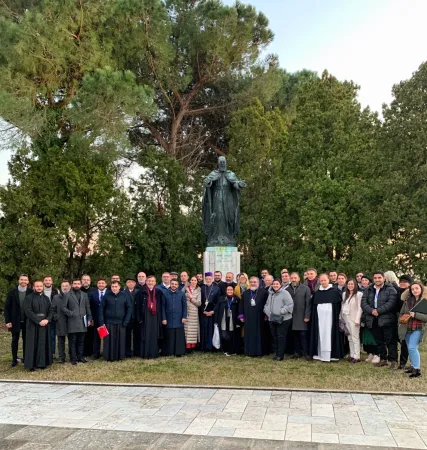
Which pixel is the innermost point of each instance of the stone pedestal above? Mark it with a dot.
(225, 259)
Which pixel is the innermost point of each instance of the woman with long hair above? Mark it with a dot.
(242, 285)
(191, 327)
(351, 312)
(412, 325)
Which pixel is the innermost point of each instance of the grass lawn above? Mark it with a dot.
(217, 369)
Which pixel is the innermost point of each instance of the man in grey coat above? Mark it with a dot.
(301, 296)
(60, 318)
(77, 310)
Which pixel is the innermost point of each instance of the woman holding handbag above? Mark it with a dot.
(351, 313)
(412, 324)
(278, 309)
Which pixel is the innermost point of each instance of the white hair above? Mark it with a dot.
(391, 277)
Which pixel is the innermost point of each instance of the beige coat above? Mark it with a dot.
(192, 332)
(355, 308)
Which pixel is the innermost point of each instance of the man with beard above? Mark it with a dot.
(148, 312)
(301, 296)
(14, 315)
(131, 291)
(87, 288)
(251, 313)
(95, 301)
(218, 281)
(199, 277)
(50, 292)
(39, 313)
(58, 301)
(77, 309)
(210, 295)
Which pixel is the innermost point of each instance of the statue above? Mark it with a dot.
(221, 213)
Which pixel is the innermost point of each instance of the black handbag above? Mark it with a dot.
(225, 335)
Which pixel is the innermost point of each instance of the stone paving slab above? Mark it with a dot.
(50, 414)
(20, 437)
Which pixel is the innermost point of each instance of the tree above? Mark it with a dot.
(402, 174)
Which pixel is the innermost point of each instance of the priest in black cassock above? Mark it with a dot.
(210, 295)
(38, 314)
(326, 340)
(148, 312)
(251, 313)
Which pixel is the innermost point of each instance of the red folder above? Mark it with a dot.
(103, 332)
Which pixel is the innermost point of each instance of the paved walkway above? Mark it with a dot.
(357, 419)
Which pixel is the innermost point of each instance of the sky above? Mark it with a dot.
(375, 43)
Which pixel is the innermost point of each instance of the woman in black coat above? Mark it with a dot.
(230, 331)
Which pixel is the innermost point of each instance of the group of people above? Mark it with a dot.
(322, 317)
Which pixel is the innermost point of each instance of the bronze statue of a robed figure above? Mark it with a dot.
(221, 212)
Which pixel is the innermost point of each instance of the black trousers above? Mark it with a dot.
(15, 341)
(300, 342)
(278, 335)
(96, 341)
(128, 349)
(76, 342)
(386, 339)
(136, 338)
(404, 354)
(61, 347)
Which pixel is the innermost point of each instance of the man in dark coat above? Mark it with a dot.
(218, 281)
(141, 279)
(50, 291)
(379, 305)
(77, 310)
(131, 291)
(87, 288)
(39, 313)
(115, 313)
(251, 313)
(148, 314)
(210, 295)
(95, 301)
(301, 296)
(174, 315)
(58, 301)
(14, 316)
(404, 283)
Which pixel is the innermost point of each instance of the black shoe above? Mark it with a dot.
(95, 357)
(74, 363)
(34, 369)
(14, 363)
(277, 358)
(402, 367)
(410, 370)
(82, 360)
(295, 356)
(415, 374)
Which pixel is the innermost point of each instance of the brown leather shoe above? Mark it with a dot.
(382, 363)
(394, 365)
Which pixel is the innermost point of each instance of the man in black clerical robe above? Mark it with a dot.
(210, 295)
(251, 313)
(38, 313)
(148, 312)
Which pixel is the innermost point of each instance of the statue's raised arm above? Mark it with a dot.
(221, 212)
